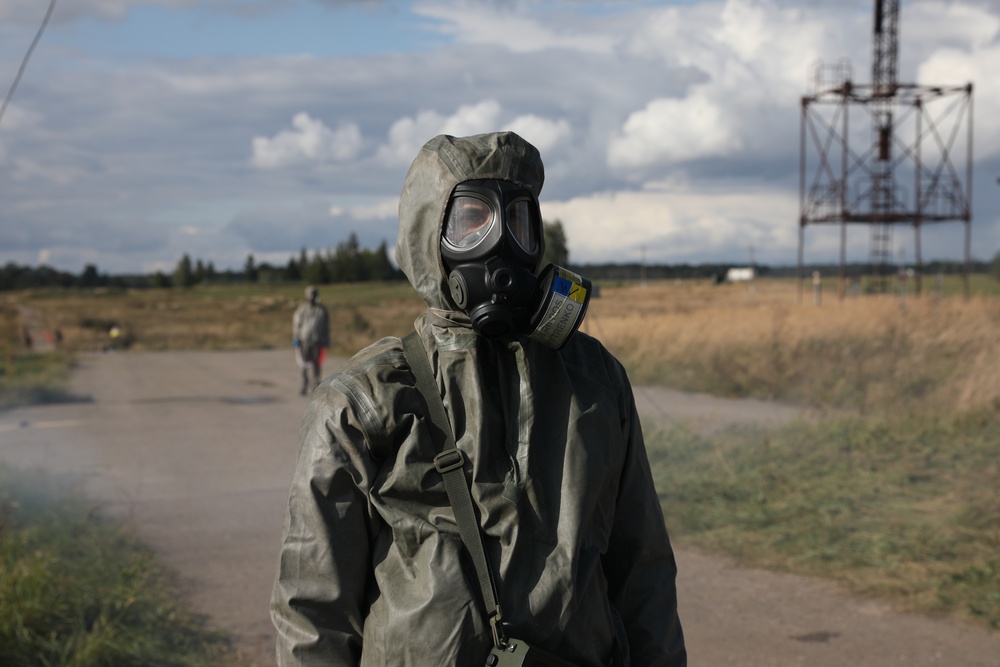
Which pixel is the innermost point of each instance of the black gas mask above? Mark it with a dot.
(492, 244)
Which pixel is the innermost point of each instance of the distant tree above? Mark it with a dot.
(316, 271)
(183, 276)
(995, 266)
(303, 263)
(348, 264)
(199, 272)
(159, 279)
(90, 277)
(292, 270)
(556, 251)
(377, 264)
(250, 270)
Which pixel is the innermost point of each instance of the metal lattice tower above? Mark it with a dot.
(889, 180)
(885, 66)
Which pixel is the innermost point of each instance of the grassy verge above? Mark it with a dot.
(81, 591)
(223, 317)
(906, 509)
(28, 377)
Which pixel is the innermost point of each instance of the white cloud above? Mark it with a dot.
(976, 61)
(670, 131)
(309, 141)
(543, 133)
(754, 56)
(681, 224)
(408, 135)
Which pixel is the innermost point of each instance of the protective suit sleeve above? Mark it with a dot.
(639, 564)
(323, 584)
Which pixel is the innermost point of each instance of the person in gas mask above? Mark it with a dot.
(373, 569)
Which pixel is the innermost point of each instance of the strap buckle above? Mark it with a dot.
(496, 627)
(449, 460)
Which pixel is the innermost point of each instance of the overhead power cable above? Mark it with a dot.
(27, 56)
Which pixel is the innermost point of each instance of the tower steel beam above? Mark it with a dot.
(906, 172)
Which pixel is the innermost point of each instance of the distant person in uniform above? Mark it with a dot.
(311, 338)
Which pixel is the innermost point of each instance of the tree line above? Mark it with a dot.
(349, 262)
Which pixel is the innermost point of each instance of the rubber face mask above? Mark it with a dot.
(491, 245)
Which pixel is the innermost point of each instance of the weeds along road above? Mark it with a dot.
(196, 449)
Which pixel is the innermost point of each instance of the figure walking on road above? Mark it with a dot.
(311, 338)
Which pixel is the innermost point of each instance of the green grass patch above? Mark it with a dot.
(28, 378)
(81, 591)
(906, 509)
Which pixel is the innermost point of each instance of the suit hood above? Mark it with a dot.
(441, 164)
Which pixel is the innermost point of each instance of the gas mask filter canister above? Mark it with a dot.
(491, 245)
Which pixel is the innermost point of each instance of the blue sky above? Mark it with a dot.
(286, 29)
(146, 129)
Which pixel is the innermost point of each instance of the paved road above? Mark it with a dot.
(196, 450)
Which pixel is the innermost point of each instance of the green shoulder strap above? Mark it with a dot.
(450, 463)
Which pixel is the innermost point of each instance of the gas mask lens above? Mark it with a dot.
(468, 222)
(521, 223)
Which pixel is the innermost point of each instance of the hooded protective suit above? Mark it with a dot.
(372, 568)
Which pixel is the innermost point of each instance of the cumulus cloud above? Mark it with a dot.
(543, 133)
(309, 141)
(682, 224)
(670, 130)
(754, 57)
(977, 62)
(407, 135)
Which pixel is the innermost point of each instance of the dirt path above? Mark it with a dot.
(196, 449)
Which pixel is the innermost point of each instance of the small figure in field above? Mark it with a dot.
(311, 338)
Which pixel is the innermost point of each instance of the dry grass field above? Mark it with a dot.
(869, 353)
(224, 317)
(865, 353)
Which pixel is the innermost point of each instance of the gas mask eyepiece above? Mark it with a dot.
(492, 244)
